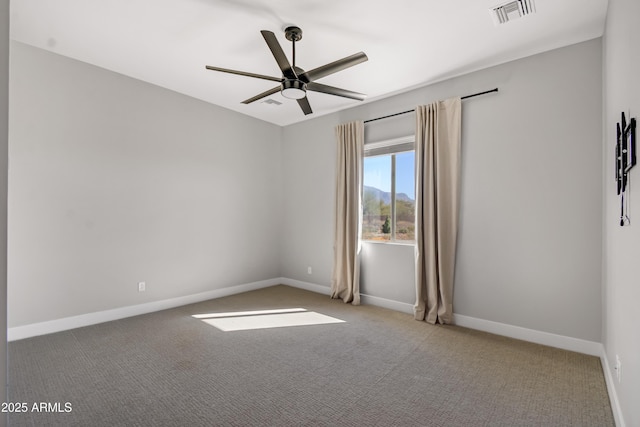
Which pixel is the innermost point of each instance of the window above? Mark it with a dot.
(389, 191)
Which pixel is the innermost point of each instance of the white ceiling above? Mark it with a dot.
(409, 43)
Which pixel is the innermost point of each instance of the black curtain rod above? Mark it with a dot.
(411, 111)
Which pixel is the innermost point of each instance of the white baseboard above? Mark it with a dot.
(66, 323)
(365, 299)
(591, 348)
(611, 388)
(308, 286)
(402, 307)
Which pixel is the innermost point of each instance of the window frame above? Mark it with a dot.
(391, 147)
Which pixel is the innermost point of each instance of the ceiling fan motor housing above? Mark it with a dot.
(294, 89)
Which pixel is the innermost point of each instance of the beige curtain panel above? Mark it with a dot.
(438, 130)
(345, 280)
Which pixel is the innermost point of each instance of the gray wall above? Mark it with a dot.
(621, 334)
(530, 227)
(114, 181)
(4, 138)
(308, 188)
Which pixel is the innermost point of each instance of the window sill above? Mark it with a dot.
(387, 242)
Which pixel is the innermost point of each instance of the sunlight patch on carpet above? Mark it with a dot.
(265, 319)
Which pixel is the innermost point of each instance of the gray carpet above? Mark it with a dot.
(378, 368)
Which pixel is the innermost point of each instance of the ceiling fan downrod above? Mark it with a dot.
(293, 34)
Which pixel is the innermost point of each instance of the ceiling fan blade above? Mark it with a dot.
(304, 104)
(262, 95)
(278, 54)
(331, 90)
(333, 67)
(242, 73)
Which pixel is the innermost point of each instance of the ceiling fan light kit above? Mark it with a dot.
(293, 89)
(295, 82)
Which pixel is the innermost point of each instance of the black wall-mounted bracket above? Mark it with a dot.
(625, 160)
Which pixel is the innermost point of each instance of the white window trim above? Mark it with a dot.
(389, 143)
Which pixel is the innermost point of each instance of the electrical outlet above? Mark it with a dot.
(309, 271)
(618, 368)
(142, 286)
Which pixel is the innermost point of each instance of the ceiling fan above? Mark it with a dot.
(295, 82)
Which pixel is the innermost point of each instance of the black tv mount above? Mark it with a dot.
(625, 160)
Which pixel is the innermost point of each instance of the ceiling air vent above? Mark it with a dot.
(512, 10)
(271, 101)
